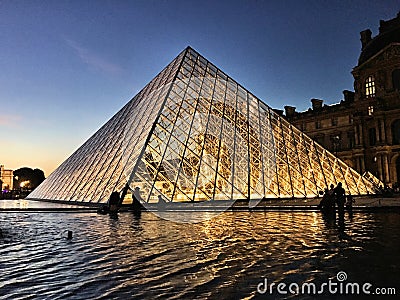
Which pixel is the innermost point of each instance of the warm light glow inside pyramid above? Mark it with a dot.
(195, 134)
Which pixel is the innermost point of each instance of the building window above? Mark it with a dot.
(372, 136)
(334, 121)
(396, 134)
(318, 125)
(370, 110)
(396, 79)
(336, 143)
(370, 87)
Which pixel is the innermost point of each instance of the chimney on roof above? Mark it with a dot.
(348, 96)
(290, 111)
(385, 26)
(365, 37)
(316, 104)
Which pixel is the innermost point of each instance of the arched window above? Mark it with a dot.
(396, 132)
(370, 86)
(396, 79)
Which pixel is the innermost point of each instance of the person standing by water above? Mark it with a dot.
(327, 207)
(113, 203)
(331, 198)
(112, 206)
(326, 202)
(136, 201)
(340, 199)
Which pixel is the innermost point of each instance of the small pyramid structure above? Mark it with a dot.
(195, 134)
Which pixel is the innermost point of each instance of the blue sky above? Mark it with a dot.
(68, 66)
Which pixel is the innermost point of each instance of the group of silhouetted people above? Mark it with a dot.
(336, 196)
(115, 203)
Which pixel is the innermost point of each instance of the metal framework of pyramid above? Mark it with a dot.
(195, 134)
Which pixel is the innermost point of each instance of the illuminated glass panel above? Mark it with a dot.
(194, 134)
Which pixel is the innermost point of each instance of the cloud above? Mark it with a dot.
(94, 60)
(9, 120)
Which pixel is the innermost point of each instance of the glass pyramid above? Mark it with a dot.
(195, 134)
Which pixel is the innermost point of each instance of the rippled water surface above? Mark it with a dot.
(225, 257)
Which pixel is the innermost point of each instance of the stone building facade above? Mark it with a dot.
(364, 128)
(6, 178)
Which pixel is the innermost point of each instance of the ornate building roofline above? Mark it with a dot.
(389, 31)
(376, 55)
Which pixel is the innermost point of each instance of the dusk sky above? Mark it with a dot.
(68, 66)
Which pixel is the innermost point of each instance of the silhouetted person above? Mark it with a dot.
(136, 198)
(327, 206)
(340, 200)
(123, 194)
(331, 198)
(324, 203)
(113, 203)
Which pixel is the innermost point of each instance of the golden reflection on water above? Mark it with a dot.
(223, 257)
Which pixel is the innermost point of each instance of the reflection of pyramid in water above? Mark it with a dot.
(194, 134)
